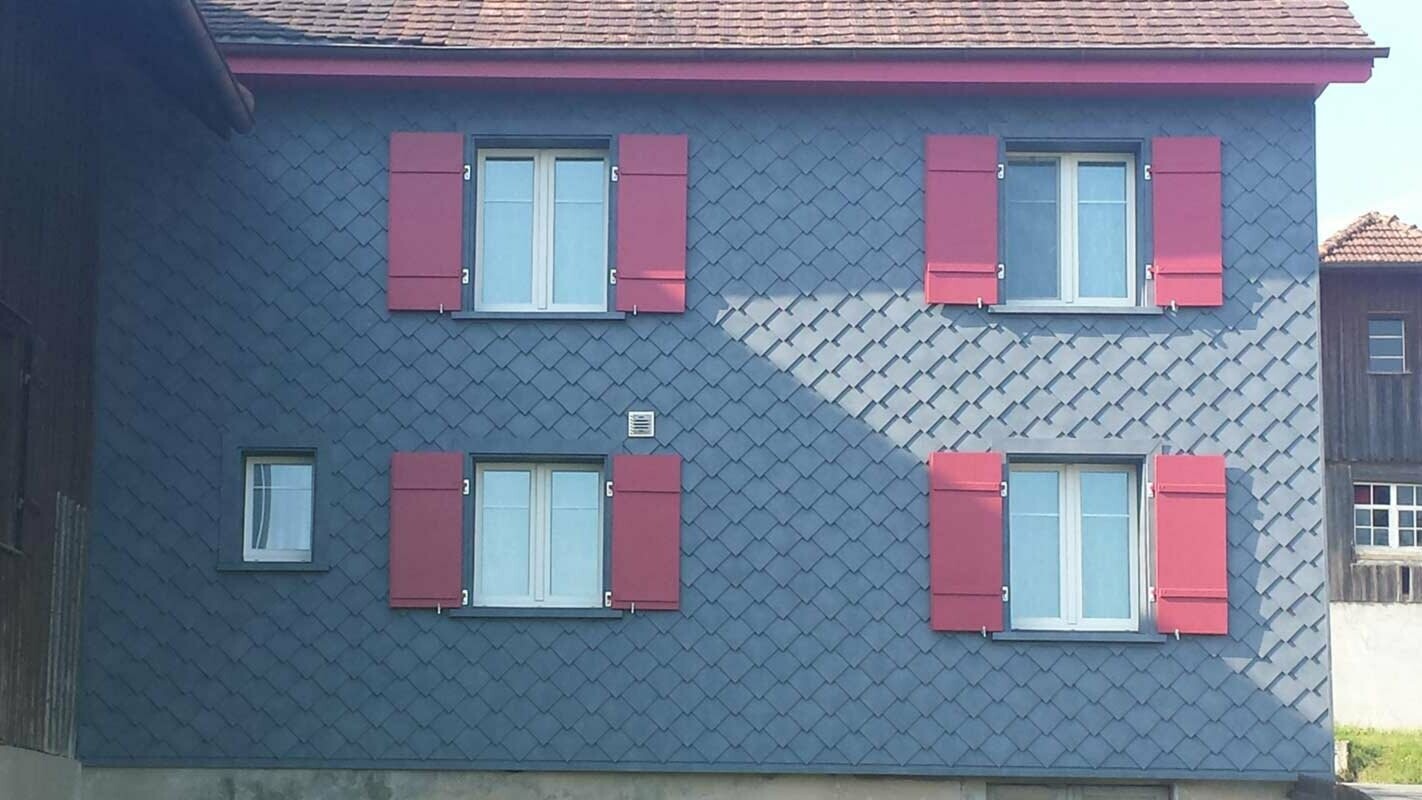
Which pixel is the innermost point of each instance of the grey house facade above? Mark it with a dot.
(243, 309)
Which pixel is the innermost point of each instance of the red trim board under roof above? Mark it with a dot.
(1053, 75)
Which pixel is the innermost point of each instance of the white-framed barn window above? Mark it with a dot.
(279, 510)
(1074, 547)
(540, 230)
(1387, 345)
(1387, 516)
(538, 535)
(1070, 229)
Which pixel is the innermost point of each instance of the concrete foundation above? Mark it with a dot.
(31, 775)
(1376, 650)
(301, 784)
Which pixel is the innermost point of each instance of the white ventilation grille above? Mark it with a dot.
(641, 424)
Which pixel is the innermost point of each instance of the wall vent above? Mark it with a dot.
(641, 424)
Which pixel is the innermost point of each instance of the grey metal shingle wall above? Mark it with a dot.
(242, 289)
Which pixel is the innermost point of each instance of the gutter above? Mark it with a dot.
(235, 101)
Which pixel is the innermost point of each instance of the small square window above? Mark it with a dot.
(279, 509)
(541, 230)
(1070, 229)
(1073, 547)
(538, 535)
(1387, 349)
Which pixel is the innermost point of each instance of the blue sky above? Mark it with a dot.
(1370, 136)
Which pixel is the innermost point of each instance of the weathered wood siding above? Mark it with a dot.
(1372, 423)
(48, 234)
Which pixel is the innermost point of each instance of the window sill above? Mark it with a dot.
(538, 315)
(1388, 556)
(489, 612)
(1125, 311)
(1081, 637)
(272, 566)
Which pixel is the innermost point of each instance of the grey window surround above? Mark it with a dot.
(481, 612)
(1134, 449)
(1121, 311)
(237, 445)
(538, 316)
(1082, 637)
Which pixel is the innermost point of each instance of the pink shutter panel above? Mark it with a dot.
(1192, 582)
(965, 541)
(960, 220)
(1187, 211)
(646, 532)
(426, 529)
(426, 228)
(651, 223)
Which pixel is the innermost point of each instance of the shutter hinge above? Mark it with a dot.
(464, 276)
(607, 599)
(1150, 272)
(1002, 488)
(464, 597)
(466, 487)
(1150, 489)
(608, 488)
(1001, 271)
(612, 277)
(1001, 171)
(614, 173)
(1173, 306)
(1004, 594)
(1147, 172)
(468, 172)
(1152, 594)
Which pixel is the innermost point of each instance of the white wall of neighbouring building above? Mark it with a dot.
(1377, 650)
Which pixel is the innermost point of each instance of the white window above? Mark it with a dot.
(1387, 351)
(1070, 229)
(279, 509)
(541, 231)
(538, 535)
(1387, 515)
(1073, 545)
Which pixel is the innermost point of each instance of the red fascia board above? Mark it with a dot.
(1193, 76)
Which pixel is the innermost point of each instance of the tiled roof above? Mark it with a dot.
(732, 24)
(1374, 238)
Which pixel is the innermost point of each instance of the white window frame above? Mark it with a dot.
(1068, 258)
(544, 207)
(269, 555)
(1402, 335)
(1394, 509)
(540, 532)
(1069, 514)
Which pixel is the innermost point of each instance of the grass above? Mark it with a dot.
(1384, 756)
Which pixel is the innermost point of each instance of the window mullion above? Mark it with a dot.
(542, 229)
(1070, 261)
(1394, 523)
(1072, 585)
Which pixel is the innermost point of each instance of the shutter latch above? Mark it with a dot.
(1002, 490)
(468, 172)
(607, 599)
(1147, 172)
(1004, 594)
(464, 597)
(1152, 594)
(1150, 272)
(608, 488)
(466, 487)
(1001, 171)
(1150, 488)
(612, 277)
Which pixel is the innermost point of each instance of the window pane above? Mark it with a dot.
(1385, 347)
(1381, 493)
(1406, 494)
(1362, 493)
(575, 544)
(504, 536)
(1101, 230)
(1033, 237)
(1035, 535)
(1382, 364)
(1385, 327)
(281, 506)
(579, 221)
(1105, 546)
(506, 263)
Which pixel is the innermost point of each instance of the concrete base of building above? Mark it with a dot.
(1376, 651)
(104, 783)
(31, 775)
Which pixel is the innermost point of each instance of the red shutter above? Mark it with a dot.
(960, 220)
(426, 529)
(646, 532)
(651, 223)
(1187, 213)
(426, 229)
(965, 541)
(1192, 594)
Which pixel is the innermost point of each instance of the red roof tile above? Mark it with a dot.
(1172, 25)
(1373, 239)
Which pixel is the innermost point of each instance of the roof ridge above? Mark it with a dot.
(1379, 237)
